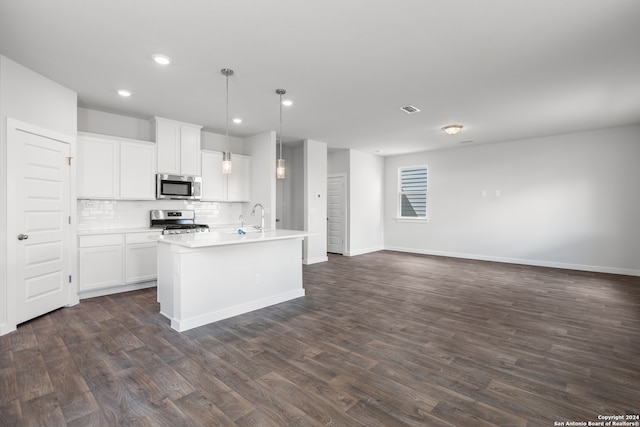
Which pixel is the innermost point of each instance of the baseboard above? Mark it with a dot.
(315, 260)
(116, 290)
(6, 328)
(536, 263)
(364, 251)
(214, 316)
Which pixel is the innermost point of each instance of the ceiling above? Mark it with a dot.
(505, 69)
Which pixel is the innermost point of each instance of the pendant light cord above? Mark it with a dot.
(281, 126)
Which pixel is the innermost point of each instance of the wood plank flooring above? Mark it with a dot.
(382, 339)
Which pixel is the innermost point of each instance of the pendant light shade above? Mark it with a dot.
(280, 169)
(226, 155)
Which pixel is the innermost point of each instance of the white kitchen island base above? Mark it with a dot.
(200, 283)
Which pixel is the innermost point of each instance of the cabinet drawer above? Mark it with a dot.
(141, 237)
(99, 240)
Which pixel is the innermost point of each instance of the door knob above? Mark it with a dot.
(23, 236)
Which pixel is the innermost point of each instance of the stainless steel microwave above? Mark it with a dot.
(180, 187)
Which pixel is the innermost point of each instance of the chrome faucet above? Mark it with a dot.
(253, 213)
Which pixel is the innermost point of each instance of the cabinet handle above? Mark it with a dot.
(23, 236)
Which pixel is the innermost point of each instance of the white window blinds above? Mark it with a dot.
(413, 192)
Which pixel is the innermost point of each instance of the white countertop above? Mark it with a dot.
(96, 231)
(219, 238)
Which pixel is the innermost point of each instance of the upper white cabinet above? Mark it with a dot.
(137, 170)
(216, 186)
(115, 168)
(178, 147)
(97, 167)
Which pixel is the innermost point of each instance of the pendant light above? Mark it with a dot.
(280, 170)
(226, 155)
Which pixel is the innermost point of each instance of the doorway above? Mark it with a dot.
(39, 246)
(336, 213)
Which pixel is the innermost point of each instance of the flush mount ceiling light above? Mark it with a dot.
(124, 93)
(237, 120)
(452, 129)
(226, 155)
(162, 60)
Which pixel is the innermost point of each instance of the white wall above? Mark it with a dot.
(366, 194)
(315, 201)
(569, 201)
(290, 191)
(131, 127)
(34, 99)
(262, 149)
(113, 124)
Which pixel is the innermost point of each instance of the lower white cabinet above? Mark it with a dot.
(107, 263)
(140, 258)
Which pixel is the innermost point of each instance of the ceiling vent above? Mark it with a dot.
(410, 109)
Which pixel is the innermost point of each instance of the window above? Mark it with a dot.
(412, 201)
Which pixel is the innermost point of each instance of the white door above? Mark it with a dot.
(336, 214)
(39, 202)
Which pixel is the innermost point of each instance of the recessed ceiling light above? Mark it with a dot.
(124, 93)
(452, 129)
(237, 120)
(287, 102)
(162, 60)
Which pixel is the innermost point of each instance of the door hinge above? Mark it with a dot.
(69, 158)
(69, 219)
(69, 278)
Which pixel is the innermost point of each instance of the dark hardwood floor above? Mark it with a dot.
(383, 339)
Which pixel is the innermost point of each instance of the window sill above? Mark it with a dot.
(413, 220)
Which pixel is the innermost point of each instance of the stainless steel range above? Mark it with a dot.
(176, 222)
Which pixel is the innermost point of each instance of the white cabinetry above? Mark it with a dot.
(97, 167)
(100, 260)
(137, 170)
(216, 186)
(111, 263)
(115, 168)
(178, 147)
(140, 257)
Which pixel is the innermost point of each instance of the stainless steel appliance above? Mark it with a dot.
(181, 187)
(176, 222)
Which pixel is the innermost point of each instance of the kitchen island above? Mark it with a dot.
(206, 277)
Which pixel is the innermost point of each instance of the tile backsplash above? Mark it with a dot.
(101, 214)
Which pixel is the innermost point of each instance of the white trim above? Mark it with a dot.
(205, 319)
(116, 289)
(315, 260)
(535, 263)
(364, 251)
(399, 194)
(413, 220)
(345, 206)
(12, 127)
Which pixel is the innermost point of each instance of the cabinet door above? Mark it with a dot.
(137, 170)
(100, 267)
(239, 182)
(141, 262)
(190, 150)
(213, 181)
(97, 168)
(168, 140)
